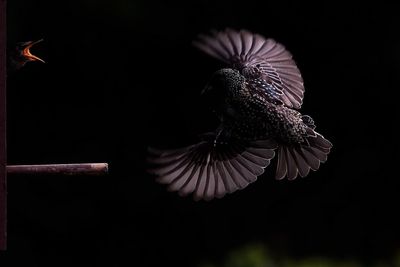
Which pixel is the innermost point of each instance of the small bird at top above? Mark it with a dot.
(256, 98)
(21, 54)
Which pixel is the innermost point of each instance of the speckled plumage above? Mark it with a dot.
(247, 115)
(255, 98)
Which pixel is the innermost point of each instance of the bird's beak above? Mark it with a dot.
(206, 89)
(27, 53)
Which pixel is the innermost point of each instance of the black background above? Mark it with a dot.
(122, 75)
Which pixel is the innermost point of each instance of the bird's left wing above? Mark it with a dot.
(211, 170)
(260, 59)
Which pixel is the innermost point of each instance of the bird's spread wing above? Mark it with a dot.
(257, 58)
(209, 170)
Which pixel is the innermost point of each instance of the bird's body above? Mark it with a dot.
(256, 99)
(249, 116)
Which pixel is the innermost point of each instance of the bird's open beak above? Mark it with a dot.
(27, 53)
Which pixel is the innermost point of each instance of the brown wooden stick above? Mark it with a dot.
(60, 169)
(3, 178)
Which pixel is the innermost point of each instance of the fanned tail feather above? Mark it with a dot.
(294, 160)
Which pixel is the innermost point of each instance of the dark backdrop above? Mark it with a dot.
(122, 75)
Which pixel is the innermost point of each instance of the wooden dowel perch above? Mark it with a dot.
(60, 169)
(3, 155)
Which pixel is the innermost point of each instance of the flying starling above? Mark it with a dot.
(256, 98)
(21, 54)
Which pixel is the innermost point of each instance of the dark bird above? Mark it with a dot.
(256, 100)
(21, 54)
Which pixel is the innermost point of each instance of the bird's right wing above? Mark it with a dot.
(265, 60)
(211, 170)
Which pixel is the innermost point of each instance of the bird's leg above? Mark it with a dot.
(219, 132)
(222, 136)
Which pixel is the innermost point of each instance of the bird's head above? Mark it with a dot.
(223, 84)
(23, 55)
(223, 81)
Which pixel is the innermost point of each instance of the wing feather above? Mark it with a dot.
(252, 53)
(211, 171)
